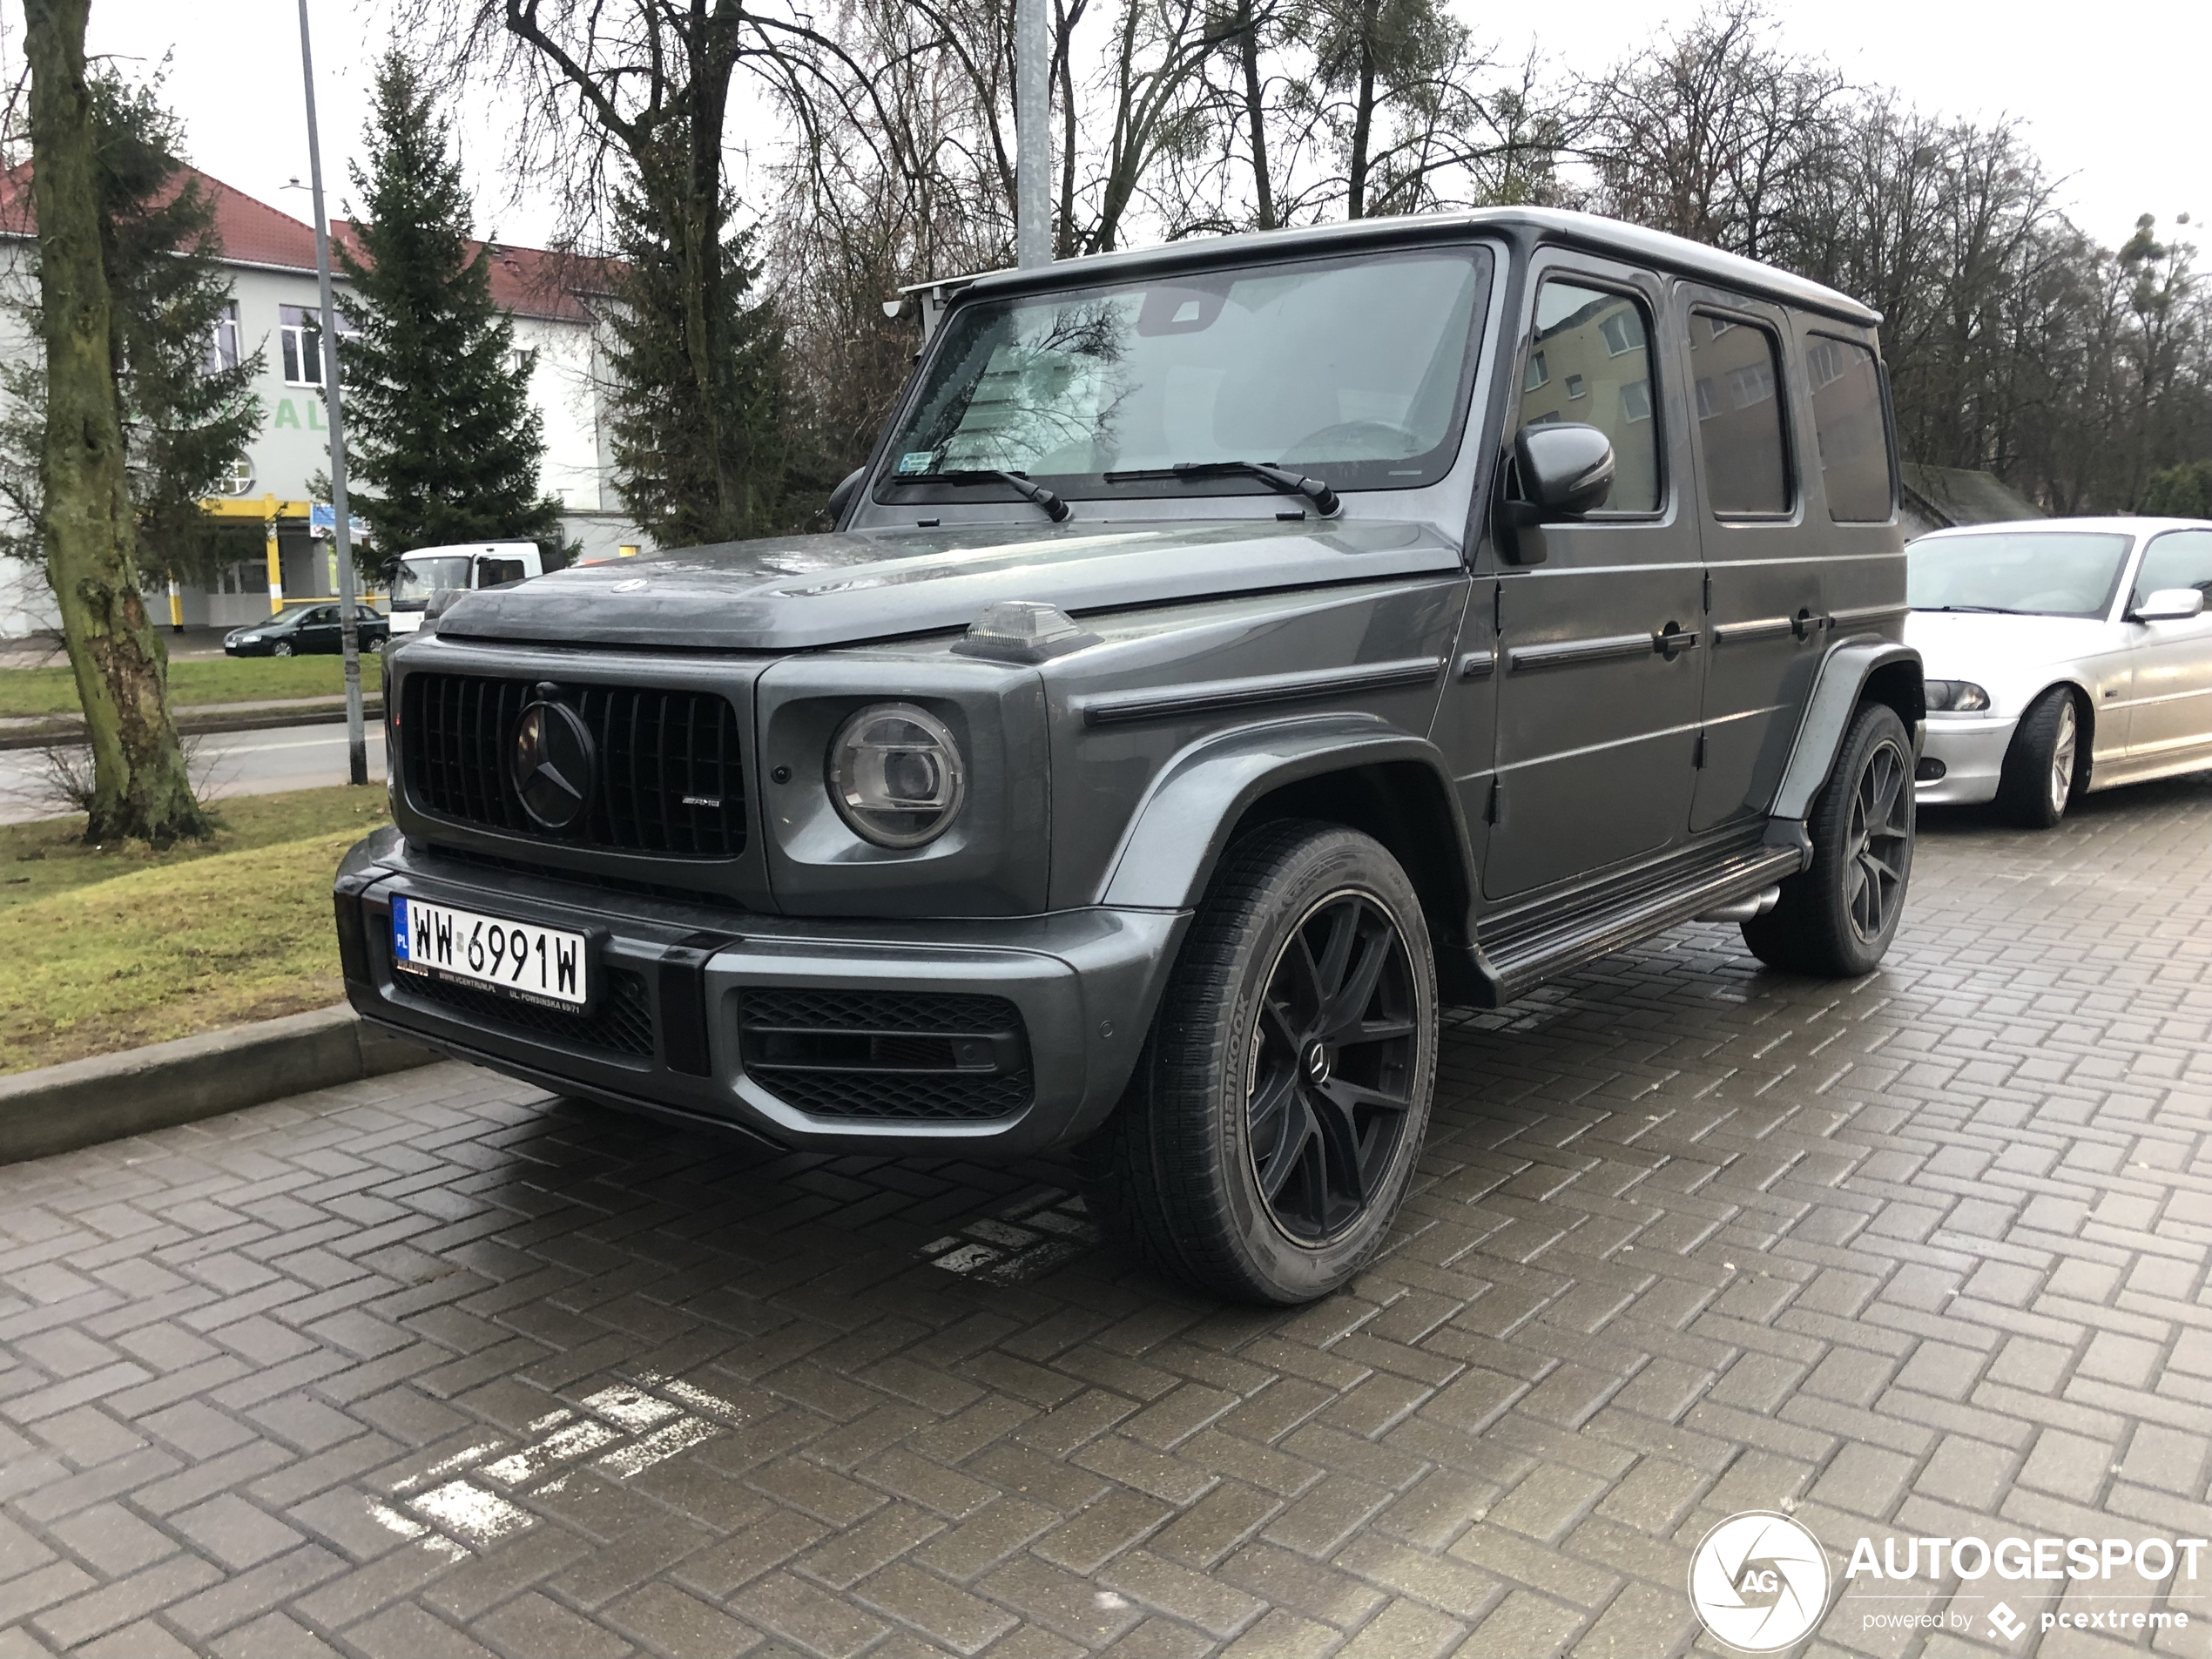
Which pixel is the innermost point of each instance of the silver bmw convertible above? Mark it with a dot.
(2063, 655)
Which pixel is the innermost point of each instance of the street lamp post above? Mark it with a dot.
(356, 739)
(1032, 135)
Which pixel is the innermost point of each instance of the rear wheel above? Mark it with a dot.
(1837, 918)
(2043, 762)
(1269, 1134)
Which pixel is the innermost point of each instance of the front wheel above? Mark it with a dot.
(1837, 918)
(1277, 1109)
(282, 648)
(2041, 763)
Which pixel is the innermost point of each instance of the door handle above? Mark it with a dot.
(1805, 624)
(1674, 639)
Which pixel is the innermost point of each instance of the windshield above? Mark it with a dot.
(2038, 573)
(420, 579)
(1353, 368)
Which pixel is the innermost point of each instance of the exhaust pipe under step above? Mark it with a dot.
(1757, 904)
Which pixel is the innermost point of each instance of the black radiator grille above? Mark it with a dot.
(621, 1022)
(670, 779)
(924, 1056)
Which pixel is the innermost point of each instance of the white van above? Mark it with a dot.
(429, 571)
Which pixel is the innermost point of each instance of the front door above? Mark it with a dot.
(2172, 697)
(1600, 651)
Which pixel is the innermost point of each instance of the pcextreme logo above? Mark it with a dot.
(1759, 1580)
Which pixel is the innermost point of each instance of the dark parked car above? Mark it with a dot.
(305, 630)
(1232, 652)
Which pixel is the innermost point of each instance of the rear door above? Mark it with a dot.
(1599, 669)
(1763, 593)
(2172, 711)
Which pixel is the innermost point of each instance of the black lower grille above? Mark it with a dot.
(910, 1055)
(621, 1023)
(668, 778)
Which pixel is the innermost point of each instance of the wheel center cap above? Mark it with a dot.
(1316, 1064)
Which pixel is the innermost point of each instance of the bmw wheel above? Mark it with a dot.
(2043, 765)
(1277, 1112)
(1837, 918)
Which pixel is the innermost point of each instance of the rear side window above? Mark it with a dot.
(1592, 365)
(2177, 559)
(1737, 367)
(1847, 425)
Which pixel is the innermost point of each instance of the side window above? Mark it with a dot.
(1740, 419)
(2177, 559)
(1592, 365)
(1848, 428)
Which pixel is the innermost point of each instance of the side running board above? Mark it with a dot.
(1517, 952)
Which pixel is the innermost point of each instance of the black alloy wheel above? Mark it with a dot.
(1270, 1128)
(1835, 918)
(1881, 840)
(1332, 1066)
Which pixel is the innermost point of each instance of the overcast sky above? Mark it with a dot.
(2114, 100)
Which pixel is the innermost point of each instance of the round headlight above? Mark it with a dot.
(896, 775)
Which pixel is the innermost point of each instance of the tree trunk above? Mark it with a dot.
(1363, 117)
(89, 532)
(1256, 114)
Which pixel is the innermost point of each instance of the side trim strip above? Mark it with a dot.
(1865, 613)
(1523, 657)
(1121, 708)
(1742, 633)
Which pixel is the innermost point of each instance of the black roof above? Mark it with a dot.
(1590, 231)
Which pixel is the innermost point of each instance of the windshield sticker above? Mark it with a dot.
(917, 461)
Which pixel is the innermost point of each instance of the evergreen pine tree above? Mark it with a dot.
(699, 444)
(443, 437)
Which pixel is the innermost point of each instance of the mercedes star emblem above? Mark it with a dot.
(551, 762)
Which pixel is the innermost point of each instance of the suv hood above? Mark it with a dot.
(794, 592)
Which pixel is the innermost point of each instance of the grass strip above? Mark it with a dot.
(112, 947)
(193, 682)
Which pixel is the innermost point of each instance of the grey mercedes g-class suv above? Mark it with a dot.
(1232, 652)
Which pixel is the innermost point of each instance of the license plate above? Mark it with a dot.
(536, 964)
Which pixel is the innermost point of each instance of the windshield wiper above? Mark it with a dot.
(1325, 500)
(1985, 611)
(1055, 508)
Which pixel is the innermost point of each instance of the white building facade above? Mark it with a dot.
(270, 259)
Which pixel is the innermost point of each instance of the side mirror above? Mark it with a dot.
(1566, 470)
(848, 487)
(2169, 604)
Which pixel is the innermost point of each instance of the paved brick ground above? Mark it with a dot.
(432, 1367)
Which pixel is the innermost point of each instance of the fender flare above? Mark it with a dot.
(1180, 828)
(1835, 697)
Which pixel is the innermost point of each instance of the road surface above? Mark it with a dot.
(230, 763)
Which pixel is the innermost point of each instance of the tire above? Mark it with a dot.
(1257, 1154)
(282, 648)
(2044, 763)
(1835, 918)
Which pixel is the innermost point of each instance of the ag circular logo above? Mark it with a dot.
(551, 762)
(1759, 1580)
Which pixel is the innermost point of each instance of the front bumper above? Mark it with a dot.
(1971, 749)
(1083, 981)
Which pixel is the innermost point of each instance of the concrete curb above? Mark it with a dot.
(71, 729)
(59, 1109)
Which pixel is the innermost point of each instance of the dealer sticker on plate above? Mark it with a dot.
(537, 964)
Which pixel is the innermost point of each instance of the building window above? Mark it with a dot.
(222, 343)
(301, 333)
(1539, 374)
(1622, 334)
(1576, 386)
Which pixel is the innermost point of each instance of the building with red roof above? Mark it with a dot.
(556, 298)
